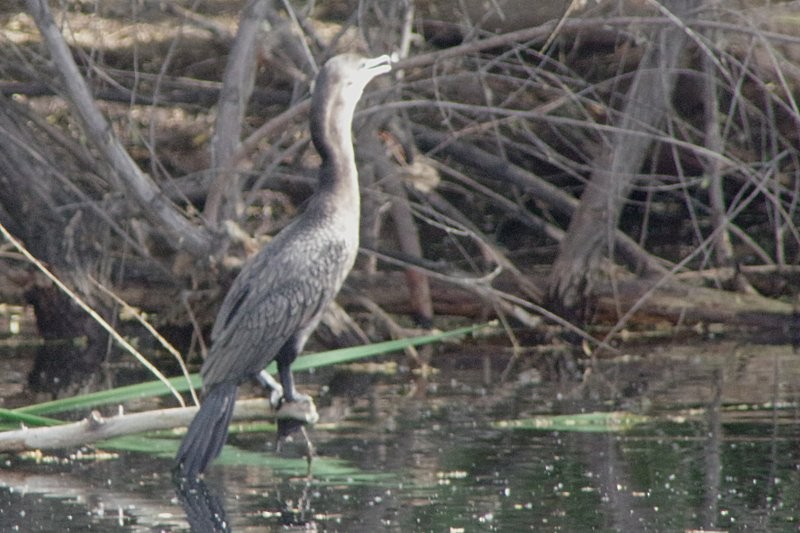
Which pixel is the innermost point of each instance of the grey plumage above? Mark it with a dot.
(278, 298)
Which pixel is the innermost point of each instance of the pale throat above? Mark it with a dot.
(339, 157)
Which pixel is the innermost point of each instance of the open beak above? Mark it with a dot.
(378, 65)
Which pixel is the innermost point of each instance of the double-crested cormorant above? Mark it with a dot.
(279, 296)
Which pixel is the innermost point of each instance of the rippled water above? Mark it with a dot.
(718, 450)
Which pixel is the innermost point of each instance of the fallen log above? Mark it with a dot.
(683, 304)
(673, 302)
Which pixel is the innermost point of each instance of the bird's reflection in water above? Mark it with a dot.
(297, 513)
(205, 511)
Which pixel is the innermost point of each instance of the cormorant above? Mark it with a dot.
(278, 298)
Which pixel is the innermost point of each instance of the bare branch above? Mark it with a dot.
(593, 226)
(126, 176)
(502, 170)
(224, 194)
(96, 428)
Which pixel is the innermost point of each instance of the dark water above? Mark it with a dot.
(718, 451)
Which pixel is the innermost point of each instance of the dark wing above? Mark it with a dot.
(262, 325)
(261, 272)
(264, 310)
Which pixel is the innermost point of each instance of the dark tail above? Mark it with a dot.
(206, 434)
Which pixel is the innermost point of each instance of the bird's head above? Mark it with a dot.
(350, 74)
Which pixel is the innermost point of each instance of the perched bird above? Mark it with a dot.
(278, 298)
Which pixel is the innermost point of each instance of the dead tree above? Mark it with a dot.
(589, 238)
(122, 172)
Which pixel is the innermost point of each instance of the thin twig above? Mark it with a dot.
(277, 123)
(545, 30)
(395, 330)
(296, 23)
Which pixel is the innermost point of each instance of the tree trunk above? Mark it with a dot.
(75, 345)
(590, 234)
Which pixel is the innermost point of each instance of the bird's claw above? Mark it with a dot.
(276, 398)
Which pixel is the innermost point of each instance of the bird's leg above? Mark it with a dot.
(266, 380)
(309, 451)
(291, 416)
(294, 409)
(290, 394)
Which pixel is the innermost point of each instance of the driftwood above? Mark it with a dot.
(672, 302)
(96, 428)
(675, 302)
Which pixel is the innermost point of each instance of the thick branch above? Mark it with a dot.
(236, 89)
(96, 428)
(592, 227)
(125, 174)
(405, 228)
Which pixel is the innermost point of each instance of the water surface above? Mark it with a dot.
(717, 450)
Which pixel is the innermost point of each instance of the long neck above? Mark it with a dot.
(331, 132)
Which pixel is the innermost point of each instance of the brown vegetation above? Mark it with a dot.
(632, 163)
